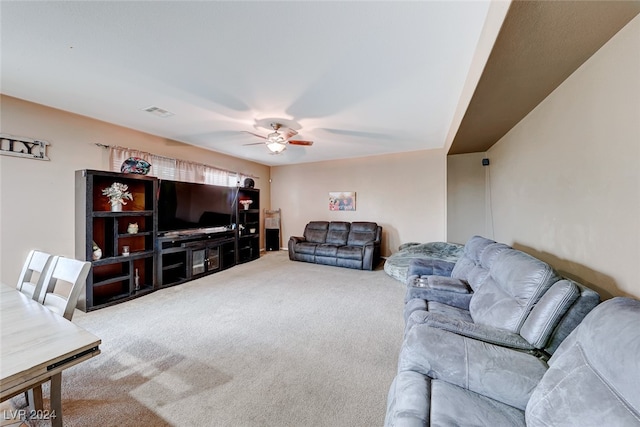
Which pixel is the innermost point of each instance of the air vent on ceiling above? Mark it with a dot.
(158, 111)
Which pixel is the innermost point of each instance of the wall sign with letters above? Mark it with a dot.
(20, 146)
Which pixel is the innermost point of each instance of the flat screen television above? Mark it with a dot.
(189, 207)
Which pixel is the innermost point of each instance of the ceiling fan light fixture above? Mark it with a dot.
(276, 137)
(276, 143)
(276, 147)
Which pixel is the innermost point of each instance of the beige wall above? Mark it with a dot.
(405, 193)
(565, 182)
(37, 197)
(466, 196)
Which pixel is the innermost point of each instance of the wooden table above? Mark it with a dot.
(36, 345)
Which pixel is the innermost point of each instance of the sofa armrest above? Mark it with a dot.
(475, 331)
(293, 240)
(503, 374)
(370, 255)
(408, 400)
(454, 299)
(449, 284)
(430, 266)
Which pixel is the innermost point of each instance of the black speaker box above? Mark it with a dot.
(272, 239)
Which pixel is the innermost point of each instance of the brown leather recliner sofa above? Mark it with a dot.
(339, 243)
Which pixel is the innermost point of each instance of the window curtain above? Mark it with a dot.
(189, 172)
(218, 177)
(177, 170)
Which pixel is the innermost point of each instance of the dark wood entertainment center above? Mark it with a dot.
(156, 259)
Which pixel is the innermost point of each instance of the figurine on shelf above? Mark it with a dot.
(132, 228)
(97, 252)
(246, 203)
(137, 281)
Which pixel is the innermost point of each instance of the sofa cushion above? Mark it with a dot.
(479, 273)
(338, 232)
(593, 375)
(350, 252)
(306, 248)
(515, 284)
(426, 295)
(470, 257)
(443, 283)
(349, 263)
(548, 311)
(362, 233)
(455, 406)
(490, 252)
(326, 250)
(325, 260)
(449, 311)
(316, 231)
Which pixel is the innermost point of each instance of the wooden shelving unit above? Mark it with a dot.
(153, 261)
(184, 258)
(248, 224)
(115, 277)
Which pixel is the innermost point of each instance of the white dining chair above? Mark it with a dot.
(33, 272)
(62, 285)
(58, 288)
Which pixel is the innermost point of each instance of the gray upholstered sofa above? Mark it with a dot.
(500, 295)
(339, 243)
(591, 380)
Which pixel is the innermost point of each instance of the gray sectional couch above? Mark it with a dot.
(339, 243)
(500, 295)
(484, 336)
(445, 379)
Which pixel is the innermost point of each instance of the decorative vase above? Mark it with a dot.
(116, 207)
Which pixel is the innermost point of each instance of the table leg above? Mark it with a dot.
(34, 397)
(56, 400)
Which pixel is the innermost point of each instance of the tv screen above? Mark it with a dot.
(190, 206)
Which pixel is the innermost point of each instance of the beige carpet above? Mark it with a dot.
(269, 343)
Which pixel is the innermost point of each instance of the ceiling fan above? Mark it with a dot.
(277, 141)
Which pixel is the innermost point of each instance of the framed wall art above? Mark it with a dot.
(342, 200)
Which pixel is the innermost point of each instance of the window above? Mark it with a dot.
(176, 170)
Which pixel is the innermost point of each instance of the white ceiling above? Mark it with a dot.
(357, 78)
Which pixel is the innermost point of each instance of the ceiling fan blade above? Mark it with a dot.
(254, 134)
(289, 133)
(255, 143)
(299, 142)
